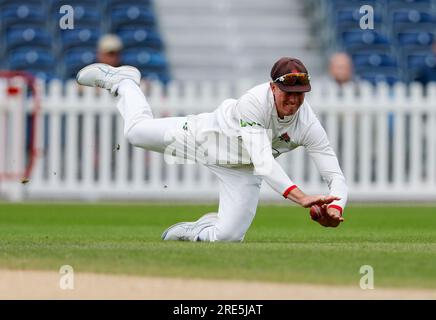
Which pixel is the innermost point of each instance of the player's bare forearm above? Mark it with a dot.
(306, 201)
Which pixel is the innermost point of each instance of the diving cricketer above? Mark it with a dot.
(270, 119)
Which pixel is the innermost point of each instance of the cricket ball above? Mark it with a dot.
(316, 212)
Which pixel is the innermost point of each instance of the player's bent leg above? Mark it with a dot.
(133, 106)
(189, 231)
(158, 134)
(140, 128)
(239, 196)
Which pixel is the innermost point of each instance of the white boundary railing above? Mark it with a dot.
(385, 140)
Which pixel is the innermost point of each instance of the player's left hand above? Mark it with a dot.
(327, 217)
(308, 201)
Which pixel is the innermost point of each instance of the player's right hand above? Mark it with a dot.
(327, 217)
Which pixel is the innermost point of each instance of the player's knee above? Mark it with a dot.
(133, 136)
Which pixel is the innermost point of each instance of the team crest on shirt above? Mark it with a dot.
(285, 137)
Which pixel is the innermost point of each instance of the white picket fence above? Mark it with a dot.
(385, 140)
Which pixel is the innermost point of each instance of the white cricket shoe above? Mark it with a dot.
(107, 77)
(189, 231)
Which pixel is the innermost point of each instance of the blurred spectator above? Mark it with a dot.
(428, 74)
(109, 49)
(341, 68)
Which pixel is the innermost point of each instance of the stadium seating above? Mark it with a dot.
(409, 4)
(30, 57)
(75, 58)
(139, 37)
(25, 36)
(418, 60)
(357, 39)
(54, 5)
(134, 15)
(398, 46)
(376, 75)
(79, 37)
(38, 61)
(144, 58)
(362, 60)
(404, 19)
(86, 16)
(33, 25)
(415, 38)
(114, 3)
(23, 15)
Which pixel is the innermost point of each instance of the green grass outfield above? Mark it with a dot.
(283, 244)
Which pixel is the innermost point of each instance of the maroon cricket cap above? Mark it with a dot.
(287, 65)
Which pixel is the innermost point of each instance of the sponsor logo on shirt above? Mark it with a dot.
(248, 123)
(285, 137)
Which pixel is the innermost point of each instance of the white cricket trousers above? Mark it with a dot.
(238, 187)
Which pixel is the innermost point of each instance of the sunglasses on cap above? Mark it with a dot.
(292, 79)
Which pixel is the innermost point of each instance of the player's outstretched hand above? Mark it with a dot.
(319, 200)
(327, 217)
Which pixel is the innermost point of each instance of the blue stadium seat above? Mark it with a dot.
(22, 14)
(417, 62)
(142, 58)
(31, 58)
(133, 15)
(338, 4)
(411, 16)
(363, 60)
(415, 38)
(403, 19)
(45, 75)
(155, 76)
(113, 3)
(75, 59)
(22, 36)
(357, 39)
(408, 4)
(39, 3)
(375, 76)
(57, 4)
(420, 59)
(79, 37)
(79, 57)
(141, 37)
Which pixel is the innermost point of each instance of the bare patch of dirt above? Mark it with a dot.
(18, 284)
